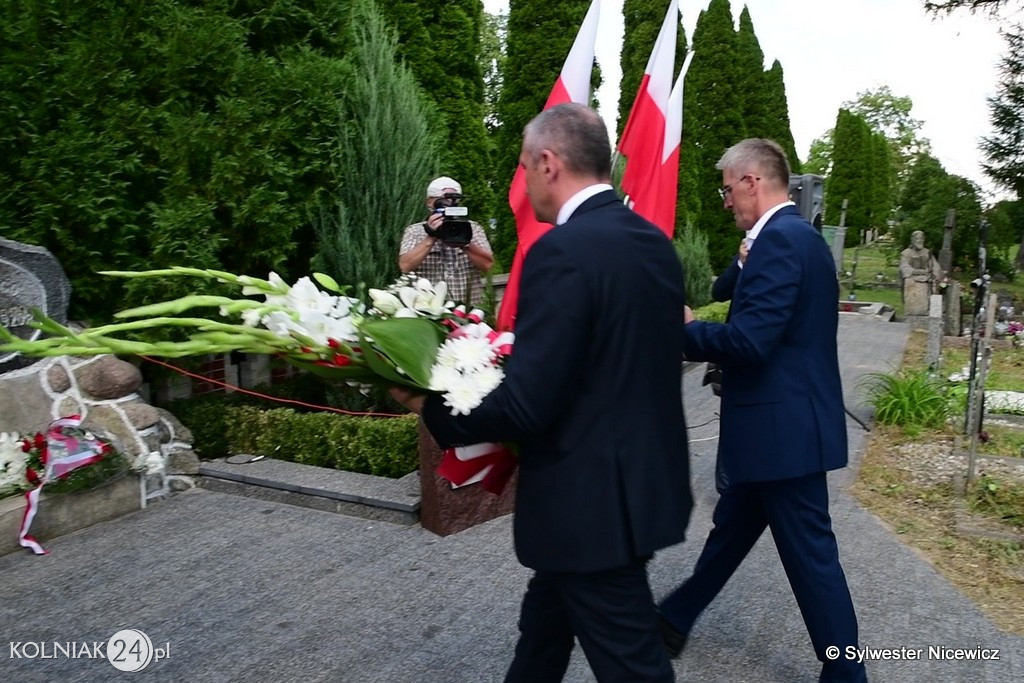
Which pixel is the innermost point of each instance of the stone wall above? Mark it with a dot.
(103, 390)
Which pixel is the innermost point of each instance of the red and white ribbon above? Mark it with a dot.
(491, 464)
(61, 453)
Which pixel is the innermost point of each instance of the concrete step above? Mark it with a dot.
(63, 513)
(349, 493)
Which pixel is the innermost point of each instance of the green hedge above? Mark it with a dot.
(223, 426)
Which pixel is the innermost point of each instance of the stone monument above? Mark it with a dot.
(30, 277)
(103, 390)
(920, 274)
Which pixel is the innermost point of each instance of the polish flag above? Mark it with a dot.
(666, 182)
(573, 85)
(646, 138)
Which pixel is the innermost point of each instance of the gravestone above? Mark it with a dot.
(30, 277)
(951, 309)
(946, 253)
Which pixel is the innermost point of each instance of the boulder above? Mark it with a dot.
(108, 377)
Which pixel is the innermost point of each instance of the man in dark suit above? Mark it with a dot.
(783, 425)
(592, 397)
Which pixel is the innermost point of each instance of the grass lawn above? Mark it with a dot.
(872, 273)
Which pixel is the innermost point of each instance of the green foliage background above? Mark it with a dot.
(135, 136)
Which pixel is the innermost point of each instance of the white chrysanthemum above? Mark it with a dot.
(487, 378)
(463, 396)
(442, 377)
(465, 353)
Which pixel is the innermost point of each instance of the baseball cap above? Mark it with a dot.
(437, 186)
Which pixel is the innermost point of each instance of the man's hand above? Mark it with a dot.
(687, 315)
(744, 250)
(433, 224)
(410, 399)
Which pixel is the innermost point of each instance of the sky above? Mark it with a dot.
(832, 50)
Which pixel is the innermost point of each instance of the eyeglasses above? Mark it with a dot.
(724, 192)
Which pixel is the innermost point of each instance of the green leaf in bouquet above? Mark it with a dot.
(409, 343)
(347, 373)
(381, 365)
(328, 282)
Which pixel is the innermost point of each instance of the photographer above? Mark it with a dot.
(444, 247)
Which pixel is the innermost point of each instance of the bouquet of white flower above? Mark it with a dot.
(321, 329)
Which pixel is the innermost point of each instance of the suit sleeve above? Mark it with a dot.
(761, 308)
(546, 364)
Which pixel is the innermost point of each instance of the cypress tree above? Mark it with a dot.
(540, 34)
(881, 185)
(441, 43)
(753, 84)
(388, 140)
(777, 114)
(850, 178)
(713, 122)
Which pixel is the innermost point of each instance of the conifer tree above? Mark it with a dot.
(881, 181)
(777, 114)
(441, 43)
(751, 83)
(850, 178)
(389, 141)
(713, 122)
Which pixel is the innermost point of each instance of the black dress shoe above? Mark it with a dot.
(674, 640)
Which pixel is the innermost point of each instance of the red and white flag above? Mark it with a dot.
(666, 184)
(573, 85)
(650, 140)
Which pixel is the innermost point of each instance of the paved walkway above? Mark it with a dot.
(245, 590)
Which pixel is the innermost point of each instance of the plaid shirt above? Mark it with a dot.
(448, 263)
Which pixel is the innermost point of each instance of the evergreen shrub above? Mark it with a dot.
(226, 425)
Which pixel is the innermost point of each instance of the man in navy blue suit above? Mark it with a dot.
(783, 425)
(592, 397)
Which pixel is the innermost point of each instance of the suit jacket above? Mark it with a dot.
(592, 395)
(782, 402)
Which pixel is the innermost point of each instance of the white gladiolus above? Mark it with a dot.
(385, 302)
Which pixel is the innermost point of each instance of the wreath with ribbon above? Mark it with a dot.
(66, 458)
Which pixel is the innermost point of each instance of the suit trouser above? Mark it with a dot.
(612, 614)
(796, 510)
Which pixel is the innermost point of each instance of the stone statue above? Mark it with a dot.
(920, 274)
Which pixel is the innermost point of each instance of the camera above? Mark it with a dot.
(455, 230)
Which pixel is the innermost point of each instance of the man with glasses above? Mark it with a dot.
(782, 425)
(425, 252)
